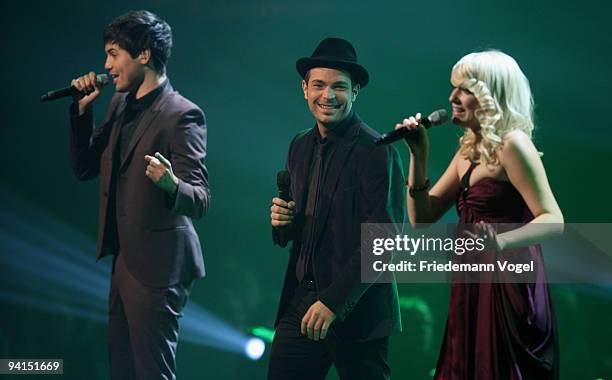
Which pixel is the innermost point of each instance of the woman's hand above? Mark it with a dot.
(418, 141)
(487, 233)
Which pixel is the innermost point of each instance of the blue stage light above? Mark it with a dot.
(48, 265)
(254, 348)
(199, 326)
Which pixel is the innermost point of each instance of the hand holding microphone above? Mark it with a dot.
(414, 131)
(87, 89)
(436, 118)
(418, 138)
(282, 211)
(84, 89)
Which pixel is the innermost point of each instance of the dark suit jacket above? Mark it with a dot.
(156, 234)
(364, 184)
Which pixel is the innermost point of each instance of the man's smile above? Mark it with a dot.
(328, 106)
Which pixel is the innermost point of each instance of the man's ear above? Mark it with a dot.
(305, 89)
(145, 56)
(356, 89)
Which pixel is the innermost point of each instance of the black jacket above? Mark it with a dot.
(364, 184)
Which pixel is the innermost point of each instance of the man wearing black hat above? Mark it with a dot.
(339, 179)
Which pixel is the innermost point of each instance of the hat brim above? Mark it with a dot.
(358, 73)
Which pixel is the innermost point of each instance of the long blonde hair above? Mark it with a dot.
(504, 98)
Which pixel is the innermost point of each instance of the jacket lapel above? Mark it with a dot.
(145, 122)
(303, 154)
(118, 115)
(332, 176)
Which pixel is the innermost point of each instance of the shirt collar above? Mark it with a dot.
(340, 131)
(148, 99)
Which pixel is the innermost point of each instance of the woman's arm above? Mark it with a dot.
(428, 206)
(525, 171)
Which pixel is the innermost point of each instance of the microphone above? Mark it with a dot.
(101, 80)
(436, 118)
(283, 182)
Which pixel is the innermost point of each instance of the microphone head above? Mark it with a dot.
(438, 117)
(103, 79)
(283, 180)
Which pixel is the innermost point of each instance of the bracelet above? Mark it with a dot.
(414, 189)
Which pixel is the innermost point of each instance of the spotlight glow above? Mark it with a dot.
(254, 348)
(47, 265)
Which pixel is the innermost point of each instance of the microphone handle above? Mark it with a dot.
(426, 123)
(101, 79)
(399, 134)
(61, 93)
(280, 235)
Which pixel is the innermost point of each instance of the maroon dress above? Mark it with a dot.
(498, 330)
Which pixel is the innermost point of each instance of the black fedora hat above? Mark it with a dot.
(334, 53)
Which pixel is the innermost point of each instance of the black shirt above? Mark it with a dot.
(128, 122)
(134, 109)
(323, 152)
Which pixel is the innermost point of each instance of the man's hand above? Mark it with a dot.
(86, 84)
(281, 212)
(160, 172)
(317, 320)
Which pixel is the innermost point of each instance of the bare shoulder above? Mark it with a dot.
(460, 163)
(517, 145)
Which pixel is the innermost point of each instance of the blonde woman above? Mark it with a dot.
(495, 329)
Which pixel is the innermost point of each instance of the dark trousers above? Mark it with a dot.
(143, 326)
(294, 356)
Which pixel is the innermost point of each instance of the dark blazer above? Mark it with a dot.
(156, 235)
(364, 184)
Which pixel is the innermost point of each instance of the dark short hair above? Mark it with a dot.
(137, 31)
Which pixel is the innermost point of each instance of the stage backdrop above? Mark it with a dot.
(236, 60)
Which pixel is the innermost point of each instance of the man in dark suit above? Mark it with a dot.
(339, 179)
(149, 153)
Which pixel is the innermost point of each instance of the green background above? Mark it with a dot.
(236, 59)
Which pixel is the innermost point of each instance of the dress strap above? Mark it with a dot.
(465, 180)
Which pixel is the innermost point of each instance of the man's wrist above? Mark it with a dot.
(174, 185)
(77, 110)
(83, 109)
